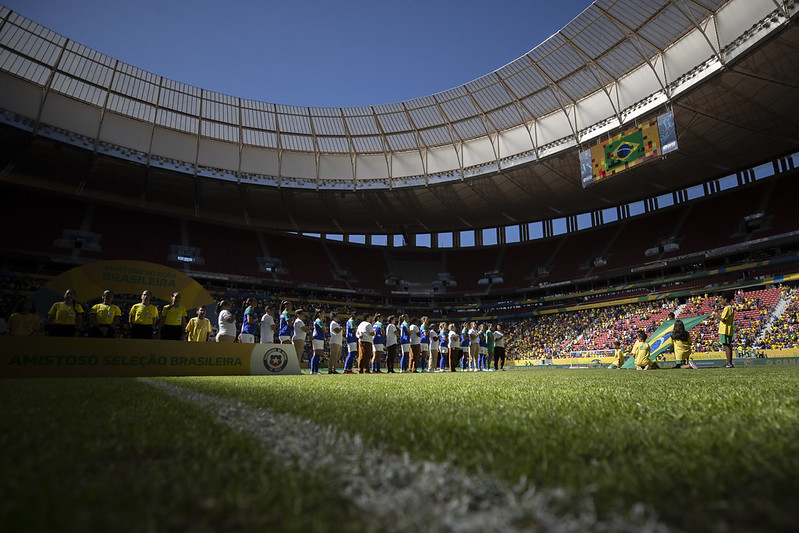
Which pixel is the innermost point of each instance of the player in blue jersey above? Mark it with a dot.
(286, 329)
(379, 345)
(443, 346)
(424, 333)
(318, 341)
(405, 343)
(392, 343)
(466, 340)
(250, 323)
(350, 330)
(483, 351)
(432, 363)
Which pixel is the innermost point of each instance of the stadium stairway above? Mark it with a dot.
(779, 310)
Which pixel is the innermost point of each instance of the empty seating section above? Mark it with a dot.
(421, 267)
(636, 236)
(304, 258)
(575, 259)
(782, 205)
(225, 250)
(521, 262)
(366, 264)
(468, 267)
(133, 235)
(35, 223)
(130, 233)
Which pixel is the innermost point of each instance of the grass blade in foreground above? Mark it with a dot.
(689, 443)
(396, 493)
(117, 455)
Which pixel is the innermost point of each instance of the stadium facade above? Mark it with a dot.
(494, 161)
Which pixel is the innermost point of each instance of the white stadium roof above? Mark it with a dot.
(617, 62)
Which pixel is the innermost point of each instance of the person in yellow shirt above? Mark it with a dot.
(65, 318)
(173, 320)
(24, 321)
(641, 353)
(726, 327)
(618, 353)
(142, 317)
(682, 346)
(199, 327)
(104, 317)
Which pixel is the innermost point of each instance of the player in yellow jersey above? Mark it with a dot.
(618, 355)
(682, 346)
(142, 317)
(104, 317)
(726, 322)
(641, 353)
(199, 327)
(24, 321)
(64, 318)
(173, 320)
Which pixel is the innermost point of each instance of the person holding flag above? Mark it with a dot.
(682, 346)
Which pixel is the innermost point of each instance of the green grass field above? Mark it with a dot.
(708, 450)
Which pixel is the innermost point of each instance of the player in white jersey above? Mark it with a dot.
(268, 326)
(300, 332)
(336, 338)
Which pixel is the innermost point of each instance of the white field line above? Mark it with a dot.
(397, 493)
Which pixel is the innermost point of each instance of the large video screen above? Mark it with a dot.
(628, 149)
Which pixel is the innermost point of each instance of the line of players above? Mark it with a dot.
(418, 345)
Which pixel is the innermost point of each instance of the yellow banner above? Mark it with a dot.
(51, 357)
(129, 277)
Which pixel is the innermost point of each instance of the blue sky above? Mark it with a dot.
(309, 52)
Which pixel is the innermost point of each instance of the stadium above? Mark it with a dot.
(641, 161)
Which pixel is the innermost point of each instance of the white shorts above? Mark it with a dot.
(443, 349)
(352, 346)
(284, 338)
(317, 344)
(246, 338)
(406, 348)
(425, 348)
(380, 347)
(483, 351)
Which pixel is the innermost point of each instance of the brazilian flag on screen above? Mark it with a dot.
(661, 339)
(624, 150)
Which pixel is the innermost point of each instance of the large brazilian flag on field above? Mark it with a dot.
(661, 339)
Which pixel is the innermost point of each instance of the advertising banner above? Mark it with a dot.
(50, 357)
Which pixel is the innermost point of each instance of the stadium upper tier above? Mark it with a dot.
(619, 61)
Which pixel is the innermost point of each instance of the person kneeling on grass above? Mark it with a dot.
(641, 353)
(619, 356)
(682, 346)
